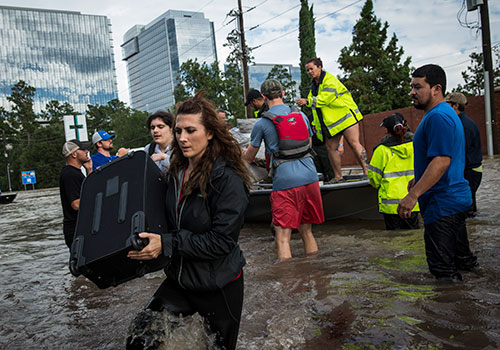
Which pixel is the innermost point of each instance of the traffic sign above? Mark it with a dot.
(28, 177)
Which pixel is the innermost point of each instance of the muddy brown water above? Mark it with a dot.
(367, 288)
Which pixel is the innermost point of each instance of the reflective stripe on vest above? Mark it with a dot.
(390, 201)
(398, 174)
(391, 174)
(375, 170)
(338, 122)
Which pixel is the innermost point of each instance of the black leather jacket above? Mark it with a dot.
(202, 238)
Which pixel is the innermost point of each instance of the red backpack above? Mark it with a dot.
(293, 135)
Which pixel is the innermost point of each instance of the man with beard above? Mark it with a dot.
(104, 144)
(70, 183)
(439, 185)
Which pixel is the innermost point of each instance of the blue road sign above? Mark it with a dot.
(28, 177)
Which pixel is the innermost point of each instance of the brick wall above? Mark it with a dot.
(371, 132)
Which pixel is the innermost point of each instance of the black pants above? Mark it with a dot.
(447, 246)
(322, 162)
(395, 222)
(220, 308)
(474, 178)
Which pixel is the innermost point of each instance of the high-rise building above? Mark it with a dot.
(67, 56)
(258, 72)
(155, 52)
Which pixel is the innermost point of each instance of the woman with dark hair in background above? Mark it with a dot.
(206, 200)
(160, 125)
(334, 114)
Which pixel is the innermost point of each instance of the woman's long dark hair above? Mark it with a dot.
(221, 146)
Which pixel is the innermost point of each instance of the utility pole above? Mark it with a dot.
(244, 63)
(6, 159)
(489, 89)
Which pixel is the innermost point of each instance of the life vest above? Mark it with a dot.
(293, 135)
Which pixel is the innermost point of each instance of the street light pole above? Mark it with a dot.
(6, 159)
(489, 89)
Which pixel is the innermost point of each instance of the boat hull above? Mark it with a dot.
(356, 199)
(6, 198)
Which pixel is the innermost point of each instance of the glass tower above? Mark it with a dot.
(67, 56)
(258, 72)
(155, 52)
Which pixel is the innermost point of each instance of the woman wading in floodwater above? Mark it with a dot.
(206, 200)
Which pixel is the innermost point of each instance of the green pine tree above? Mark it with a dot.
(374, 73)
(282, 74)
(307, 43)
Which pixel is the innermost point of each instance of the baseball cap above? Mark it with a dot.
(271, 87)
(456, 97)
(101, 135)
(73, 146)
(252, 95)
(392, 121)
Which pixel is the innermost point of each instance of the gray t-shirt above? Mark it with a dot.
(162, 164)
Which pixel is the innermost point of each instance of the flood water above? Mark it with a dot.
(367, 288)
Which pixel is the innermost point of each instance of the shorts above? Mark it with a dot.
(297, 205)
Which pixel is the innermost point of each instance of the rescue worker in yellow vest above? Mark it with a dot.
(334, 114)
(390, 170)
(256, 100)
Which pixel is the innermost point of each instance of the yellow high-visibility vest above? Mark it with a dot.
(338, 109)
(390, 170)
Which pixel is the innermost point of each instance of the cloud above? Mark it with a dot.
(428, 30)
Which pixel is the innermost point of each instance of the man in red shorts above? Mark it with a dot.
(296, 197)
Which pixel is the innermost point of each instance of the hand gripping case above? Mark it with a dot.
(118, 201)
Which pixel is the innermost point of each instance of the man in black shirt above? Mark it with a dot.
(473, 153)
(256, 100)
(70, 183)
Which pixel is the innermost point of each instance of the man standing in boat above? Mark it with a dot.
(439, 184)
(70, 183)
(296, 198)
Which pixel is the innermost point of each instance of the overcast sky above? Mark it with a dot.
(428, 30)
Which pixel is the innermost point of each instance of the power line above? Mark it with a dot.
(457, 64)
(254, 7)
(494, 44)
(270, 19)
(317, 20)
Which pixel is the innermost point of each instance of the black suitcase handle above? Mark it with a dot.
(137, 223)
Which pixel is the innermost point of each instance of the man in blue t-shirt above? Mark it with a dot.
(104, 144)
(296, 198)
(439, 185)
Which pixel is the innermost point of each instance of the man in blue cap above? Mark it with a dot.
(104, 144)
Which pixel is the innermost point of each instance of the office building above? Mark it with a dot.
(258, 72)
(67, 56)
(155, 52)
